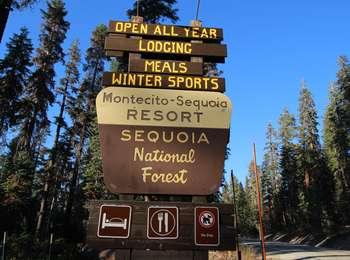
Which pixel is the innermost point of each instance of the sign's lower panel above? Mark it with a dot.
(138, 238)
(162, 160)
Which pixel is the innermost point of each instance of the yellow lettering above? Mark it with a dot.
(119, 27)
(138, 136)
(188, 48)
(182, 67)
(166, 67)
(173, 33)
(177, 178)
(203, 139)
(135, 28)
(215, 83)
(141, 48)
(148, 82)
(172, 81)
(116, 80)
(157, 66)
(204, 33)
(187, 31)
(144, 28)
(157, 81)
(213, 33)
(167, 47)
(145, 174)
(157, 30)
(149, 65)
(126, 136)
(127, 26)
(195, 33)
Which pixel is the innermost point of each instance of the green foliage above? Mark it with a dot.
(14, 72)
(337, 139)
(270, 180)
(21, 4)
(309, 157)
(288, 170)
(155, 11)
(39, 90)
(246, 213)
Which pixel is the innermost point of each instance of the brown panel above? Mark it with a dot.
(165, 47)
(138, 234)
(165, 66)
(176, 82)
(134, 162)
(167, 31)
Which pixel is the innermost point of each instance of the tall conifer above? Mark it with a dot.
(317, 186)
(14, 73)
(288, 170)
(270, 181)
(41, 82)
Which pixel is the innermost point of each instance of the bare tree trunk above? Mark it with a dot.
(5, 8)
(73, 182)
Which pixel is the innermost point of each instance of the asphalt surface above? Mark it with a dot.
(285, 251)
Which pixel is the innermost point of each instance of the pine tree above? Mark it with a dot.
(155, 11)
(251, 198)
(85, 118)
(270, 181)
(246, 213)
(343, 83)
(27, 151)
(16, 214)
(288, 170)
(41, 82)
(317, 184)
(336, 139)
(66, 85)
(14, 73)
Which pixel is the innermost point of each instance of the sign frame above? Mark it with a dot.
(163, 81)
(177, 222)
(190, 49)
(165, 31)
(140, 65)
(117, 206)
(197, 223)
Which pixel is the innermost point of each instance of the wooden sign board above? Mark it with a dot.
(165, 47)
(138, 228)
(165, 67)
(158, 81)
(166, 31)
(164, 142)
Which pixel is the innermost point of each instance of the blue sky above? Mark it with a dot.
(272, 46)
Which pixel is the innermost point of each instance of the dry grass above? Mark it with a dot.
(247, 254)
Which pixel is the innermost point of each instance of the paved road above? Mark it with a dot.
(285, 251)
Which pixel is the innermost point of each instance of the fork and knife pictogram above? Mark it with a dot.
(163, 217)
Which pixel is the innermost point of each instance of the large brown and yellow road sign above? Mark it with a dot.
(164, 142)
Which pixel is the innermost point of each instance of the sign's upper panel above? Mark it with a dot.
(167, 31)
